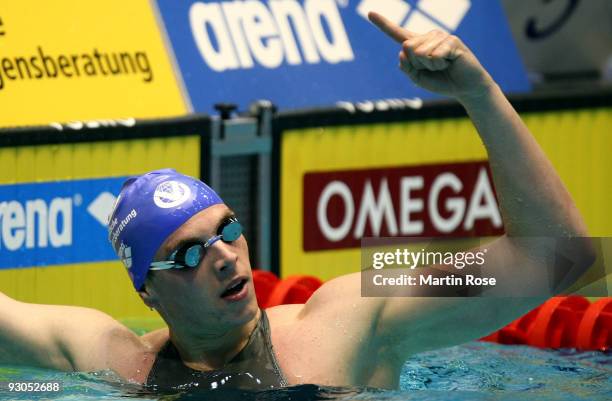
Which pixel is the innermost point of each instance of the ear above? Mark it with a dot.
(148, 297)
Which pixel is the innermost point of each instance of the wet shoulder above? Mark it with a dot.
(155, 340)
(284, 314)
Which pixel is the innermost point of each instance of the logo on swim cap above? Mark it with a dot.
(170, 194)
(125, 254)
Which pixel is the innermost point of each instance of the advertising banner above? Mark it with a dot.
(57, 222)
(422, 178)
(545, 30)
(342, 207)
(83, 60)
(305, 53)
(54, 205)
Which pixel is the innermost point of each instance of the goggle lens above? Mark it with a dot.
(193, 255)
(231, 231)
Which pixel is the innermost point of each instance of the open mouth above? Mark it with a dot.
(235, 290)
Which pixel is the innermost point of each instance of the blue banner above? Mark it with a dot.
(54, 223)
(306, 53)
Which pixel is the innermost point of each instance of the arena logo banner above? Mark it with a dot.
(54, 223)
(342, 207)
(318, 52)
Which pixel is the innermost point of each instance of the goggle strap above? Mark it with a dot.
(212, 240)
(167, 264)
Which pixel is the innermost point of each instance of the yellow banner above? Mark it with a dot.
(70, 60)
(577, 142)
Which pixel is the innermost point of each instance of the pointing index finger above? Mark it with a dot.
(396, 32)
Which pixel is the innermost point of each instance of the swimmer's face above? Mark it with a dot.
(209, 291)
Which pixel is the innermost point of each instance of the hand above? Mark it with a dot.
(437, 61)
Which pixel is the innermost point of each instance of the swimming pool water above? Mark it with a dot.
(473, 371)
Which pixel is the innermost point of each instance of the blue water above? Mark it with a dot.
(473, 371)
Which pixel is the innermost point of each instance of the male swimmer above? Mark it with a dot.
(188, 260)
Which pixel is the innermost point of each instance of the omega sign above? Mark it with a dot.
(456, 200)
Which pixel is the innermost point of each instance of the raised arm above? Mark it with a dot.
(532, 199)
(65, 338)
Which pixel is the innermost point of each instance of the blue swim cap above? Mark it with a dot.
(149, 208)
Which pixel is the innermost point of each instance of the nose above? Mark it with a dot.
(225, 258)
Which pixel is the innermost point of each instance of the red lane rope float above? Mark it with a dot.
(515, 332)
(595, 329)
(562, 322)
(264, 283)
(294, 290)
(556, 323)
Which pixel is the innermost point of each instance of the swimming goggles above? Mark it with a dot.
(192, 253)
